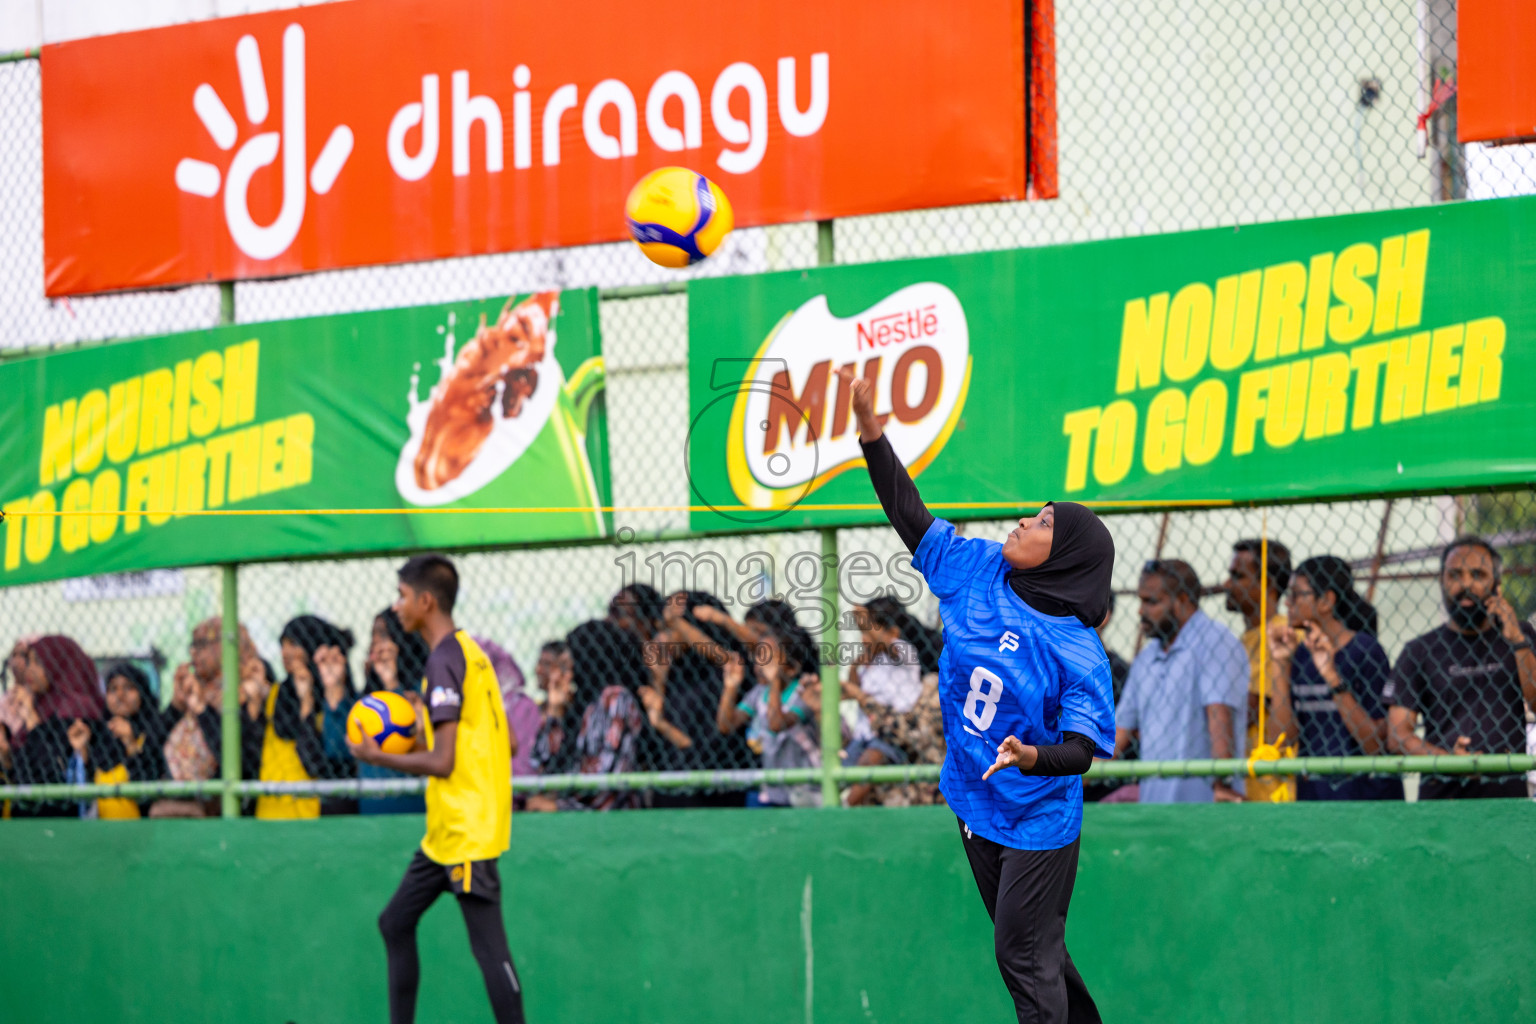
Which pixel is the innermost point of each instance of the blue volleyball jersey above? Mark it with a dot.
(1008, 670)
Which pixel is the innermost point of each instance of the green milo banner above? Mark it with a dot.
(494, 403)
(1371, 353)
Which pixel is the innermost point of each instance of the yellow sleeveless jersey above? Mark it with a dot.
(469, 814)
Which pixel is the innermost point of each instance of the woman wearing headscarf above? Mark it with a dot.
(128, 746)
(293, 747)
(193, 723)
(684, 693)
(927, 641)
(523, 715)
(397, 661)
(1329, 675)
(1025, 689)
(56, 685)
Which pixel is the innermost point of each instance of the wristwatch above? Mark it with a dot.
(1523, 645)
(1341, 688)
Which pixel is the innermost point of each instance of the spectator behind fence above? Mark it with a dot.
(127, 746)
(1115, 790)
(55, 687)
(397, 661)
(1243, 579)
(1470, 680)
(779, 711)
(1329, 674)
(607, 671)
(193, 742)
(687, 672)
(927, 641)
(523, 715)
(554, 748)
(1186, 696)
(882, 689)
(293, 747)
(638, 610)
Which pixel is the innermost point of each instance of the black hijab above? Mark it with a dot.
(410, 663)
(147, 721)
(312, 633)
(1074, 579)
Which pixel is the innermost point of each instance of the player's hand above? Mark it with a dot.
(366, 751)
(861, 392)
(1012, 753)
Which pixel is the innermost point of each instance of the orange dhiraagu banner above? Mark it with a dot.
(382, 131)
(1496, 77)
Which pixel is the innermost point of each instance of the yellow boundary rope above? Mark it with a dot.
(997, 506)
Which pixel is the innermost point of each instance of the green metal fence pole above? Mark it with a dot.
(229, 639)
(825, 253)
(831, 685)
(229, 712)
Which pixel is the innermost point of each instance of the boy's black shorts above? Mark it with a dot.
(471, 878)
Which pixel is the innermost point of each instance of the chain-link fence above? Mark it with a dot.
(705, 655)
(1172, 116)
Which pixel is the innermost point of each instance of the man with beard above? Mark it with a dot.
(1470, 680)
(1187, 694)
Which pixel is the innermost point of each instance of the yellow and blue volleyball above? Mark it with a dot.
(677, 217)
(388, 717)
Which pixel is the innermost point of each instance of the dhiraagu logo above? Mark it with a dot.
(792, 427)
(200, 178)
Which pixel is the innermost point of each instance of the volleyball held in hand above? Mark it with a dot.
(677, 217)
(388, 717)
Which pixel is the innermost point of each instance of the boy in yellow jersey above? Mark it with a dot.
(462, 748)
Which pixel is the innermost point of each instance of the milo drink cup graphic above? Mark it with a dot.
(504, 427)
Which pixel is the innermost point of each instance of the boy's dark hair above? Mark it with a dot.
(1472, 540)
(1279, 560)
(1177, 575)
(555, 647)
(435, 575)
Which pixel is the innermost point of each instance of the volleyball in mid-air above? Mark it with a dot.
(388, 717)
(677, 217)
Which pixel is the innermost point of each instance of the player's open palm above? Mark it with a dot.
(1011, 753)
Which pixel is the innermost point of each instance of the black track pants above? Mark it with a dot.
(477, 887)
(1027, 893)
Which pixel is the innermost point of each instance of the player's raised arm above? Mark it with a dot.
(893, 485)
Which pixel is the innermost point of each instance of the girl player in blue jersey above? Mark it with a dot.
(1025, 688)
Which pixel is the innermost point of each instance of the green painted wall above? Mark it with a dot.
(1348, 913)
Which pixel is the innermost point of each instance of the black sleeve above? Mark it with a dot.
(897, 493)
(1072, 756)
